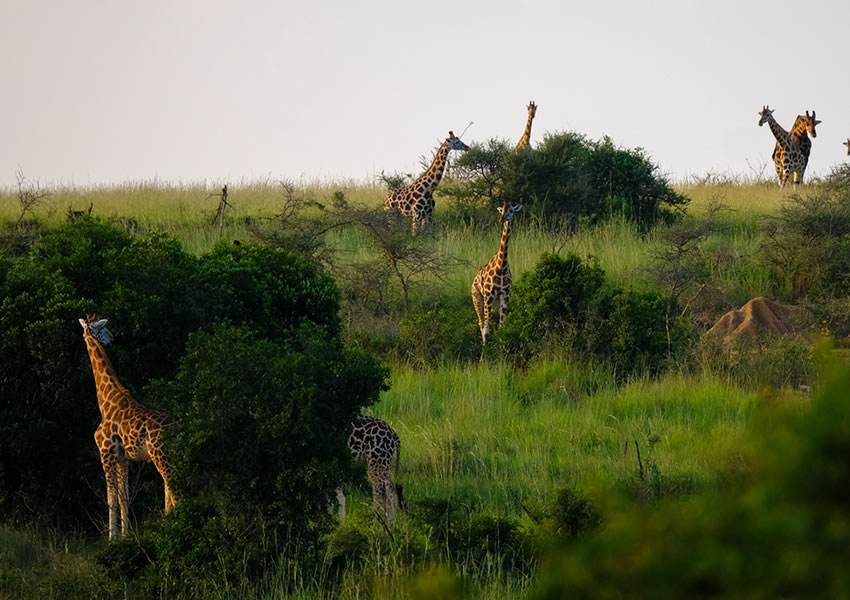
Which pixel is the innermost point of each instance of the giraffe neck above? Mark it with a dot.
(779, 133)
(105, 378)
(430, 178)
(502, 254)
(798, 130)
(526, 135)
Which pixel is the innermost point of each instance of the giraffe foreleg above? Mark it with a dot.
(109, 463)
(478, 302)
(122, 470)
(488, 307)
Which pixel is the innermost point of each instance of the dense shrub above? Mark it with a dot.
(567, 178)
(439, 335)
(808, 245)
(563, 305)
(154, 295)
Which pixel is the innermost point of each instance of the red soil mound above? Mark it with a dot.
(756, 318)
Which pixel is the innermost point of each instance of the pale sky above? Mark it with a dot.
(101, 92)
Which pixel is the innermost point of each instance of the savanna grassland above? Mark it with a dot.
(522, 464)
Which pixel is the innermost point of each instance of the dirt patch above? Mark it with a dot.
(757, 318)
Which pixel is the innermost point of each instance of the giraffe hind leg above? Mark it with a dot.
(158, 459)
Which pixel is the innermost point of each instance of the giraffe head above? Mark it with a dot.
(765, 115)
(507, 211)
(847, 143)
(809, 123)
(97, 328)
(532, 110)
(455, 143)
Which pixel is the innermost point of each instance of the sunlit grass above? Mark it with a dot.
(488, 435)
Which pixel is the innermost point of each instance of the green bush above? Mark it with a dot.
(807, 246)
(567, 178)
(564, 306)
(436, 336)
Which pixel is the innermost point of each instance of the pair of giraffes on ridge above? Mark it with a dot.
(791, 152)
(130, 431)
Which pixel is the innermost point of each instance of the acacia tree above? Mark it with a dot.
(411, 259)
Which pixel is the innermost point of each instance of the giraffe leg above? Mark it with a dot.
(110, 472)
(478, 302)
(122, 469)
(488, 306)
(158, 459)
(340, 498)
(503, 306)
(390, 500)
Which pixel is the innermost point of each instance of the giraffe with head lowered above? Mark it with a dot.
(127, 431)
(526, 136)
(416, 200)
(375, 443)
(491, 287)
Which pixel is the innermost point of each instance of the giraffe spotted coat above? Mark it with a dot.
(416, 200)
(127, 431)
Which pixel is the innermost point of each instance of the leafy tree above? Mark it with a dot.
(568, 179)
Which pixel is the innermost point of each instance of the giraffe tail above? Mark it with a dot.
(397, 460)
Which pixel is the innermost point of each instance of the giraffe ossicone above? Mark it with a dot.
(127, 431)
(491, 287)
(416, 200)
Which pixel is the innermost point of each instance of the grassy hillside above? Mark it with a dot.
(484, 436)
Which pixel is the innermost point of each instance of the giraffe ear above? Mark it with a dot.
(517, 207)
(99, 324)
(501, 210)
(83, 323)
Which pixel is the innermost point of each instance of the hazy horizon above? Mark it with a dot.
(101, 93)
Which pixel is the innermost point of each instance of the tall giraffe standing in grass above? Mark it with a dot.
(526, 136)
(127, 431)
(492, 284)
(416, 200)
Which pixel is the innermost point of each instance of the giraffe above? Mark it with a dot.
(783, 140)
(847, 143)
(796, 157)
(374, 442)
(127, 431)
(792, 149)
(492, 284)
(416, 200)
(526, 136)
